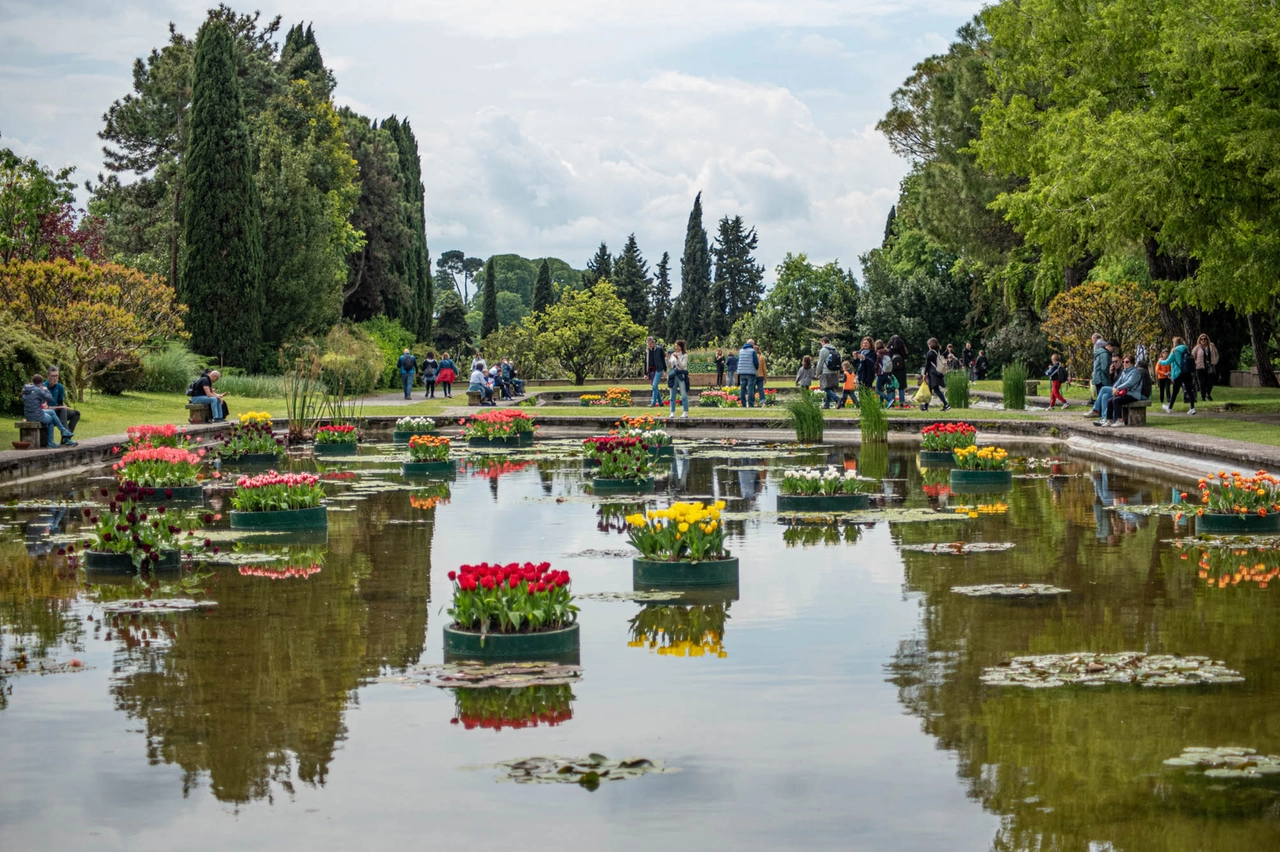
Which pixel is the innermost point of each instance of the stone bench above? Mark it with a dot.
(33, 433)
(1135, 413)
(474, 397)
(199, 412)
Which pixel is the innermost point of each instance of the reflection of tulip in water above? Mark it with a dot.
(493, 471)
(1230, 566)
(680, 631)
(496, 708)
(300, 572)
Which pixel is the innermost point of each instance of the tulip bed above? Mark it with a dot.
(426, 448)
(620, 458)
(982, 458)
(145, 534)
(1225, 493)
(160, 467)
(511, 598)
(500, 423)
(340, 434)
(947, 437)
(168, 435)
(251, 436)
(813, 482)
(681, 532)
(277, 492)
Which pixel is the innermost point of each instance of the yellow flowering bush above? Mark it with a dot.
(982, 458)
(683, 532)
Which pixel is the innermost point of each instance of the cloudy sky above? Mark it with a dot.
(546, 127)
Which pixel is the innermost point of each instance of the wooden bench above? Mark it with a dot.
(33, 433)
(474, 397)
(1135, 413)
(199, 412)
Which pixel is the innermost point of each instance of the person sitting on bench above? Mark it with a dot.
(479, 384)
(201, 390)
(66, 413)
(37, 407)
(1127, 389)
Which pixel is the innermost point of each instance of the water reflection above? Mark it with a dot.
(495, 708)
(674, 630)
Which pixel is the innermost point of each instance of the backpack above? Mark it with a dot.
(941, 364)
(191, 388)
(898, 363)
(1188, 363)
(833, 362)
(886, 365)
(1146, 384)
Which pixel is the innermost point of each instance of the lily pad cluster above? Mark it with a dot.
(143, 606)
(961, 548)
(1010, 590)
(479, 676)
(1128, 667)
(589, 772)
(1228, 762)
(630, 596)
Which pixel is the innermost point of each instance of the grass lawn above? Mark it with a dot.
(1250, 399)
(1220, 427)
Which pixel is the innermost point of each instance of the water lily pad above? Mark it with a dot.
(479, 676)
(960, 548)
(592, 553)
(630, 596)
(142, 606)
(589, 772)
(1086, 668)
(1010, 590)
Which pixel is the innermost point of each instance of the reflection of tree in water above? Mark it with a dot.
(36, 597)
(798, 534)
(1067, 767)
(252, 692)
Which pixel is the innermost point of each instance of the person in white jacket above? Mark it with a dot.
(678, 376)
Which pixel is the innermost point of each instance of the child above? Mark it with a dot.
(850, 382)
(1056, 373)
(887, 389)
(1162, 374)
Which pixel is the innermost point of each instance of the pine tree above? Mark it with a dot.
(598, 267)
(739, 282)
(660, 298)
(413, 265)
(451, 331)
(221, 274)
(631, 280)
(888, 225)
(691, 318)
(542, 293)
(489, 304)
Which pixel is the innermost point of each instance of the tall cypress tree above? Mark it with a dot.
(542, 293)
(221, 273)
(489, 307)
(413, 265)
(692, 317)
(631, 280)
(600, 266)
(660, 299)
(739, 282)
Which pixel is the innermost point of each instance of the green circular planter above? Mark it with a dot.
(258, 459)
(590, 463)
(331, 450)
(175, 493)
(550, 644)
(399, 437)
(509, 443)
(666, 451)
(429, 468)
(1237, 524)
(961, 479)
(937, 458)
(823, 503)
(526, 438)
(104, 562)
(717, 572)
(611, 485)
(288, 519)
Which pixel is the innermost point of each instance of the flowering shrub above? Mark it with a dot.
(720, 399)
(167, 435)
(1235, 494)
(590, 399)
(277, 492)
(941, 437)
(982, 458)
(428, 448)
(680, 631)
(619, 457)
(496, 707)
(416, 425)
(159, 467)
(684, 532)
(617, 397)
(249, 436)
(812, 482)
(261, 418)
(645, 428)
(1231, 566)
(498, 423)
(343, 434)
(511, 598)
(145, 533)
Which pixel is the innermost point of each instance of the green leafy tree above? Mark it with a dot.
(450, 332)
(693, 313)
(631, 279)
(739, 281)
(660, 298)
(1124, 314)
(489, 304)
(586, 329)
(805, 302)
(542, 293)
(448, 267)
(221, 276)
(300, 59)
(29, 195)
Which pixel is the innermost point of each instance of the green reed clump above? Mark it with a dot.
(874, 419)
(804, 414)
(1014, 387)
(170, 370)
(958, 389)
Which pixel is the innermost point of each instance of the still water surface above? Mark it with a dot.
(833, 704)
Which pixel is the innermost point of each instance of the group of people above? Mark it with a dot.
(442, 372)
(490, 382)
(44, 401)
(1117, 382)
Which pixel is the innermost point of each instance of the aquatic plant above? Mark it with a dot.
(957, 390)
(1014, 387)
(873, 419)
(804, 414)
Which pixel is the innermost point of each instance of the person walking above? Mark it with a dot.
(430, 369)
(1101, 377)
(748, 364)
(866, 365)
(655, 367)
(678, 381)
(830, 373)
(408, 368)
(805, 375)
(1057, 374)
(37, 407)
(967, 357)
(849, 386)
(719, 367)
(980, 365)
(447, 376)
(935, 371)
(761, 375)
(66, 413)
(1162, 376)
(1182, 372)
(1206, 358)
(899, 352)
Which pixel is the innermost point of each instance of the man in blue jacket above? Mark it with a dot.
(408, 366)
(748, 367)
(36, 401)
(1127, 389)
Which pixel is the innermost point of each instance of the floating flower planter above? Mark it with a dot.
(251, 441)
(428, 455)
(510, 443)
(937, 458)
(128, 535)
(612, 485)
(276, 501)
(503, 427)
(1223, 524)
(448, 467)
(964, 479)
(651, 573)
(681, 546)
(1235, 504)
(939, 441)
(511, 612)
(823, 502)
(981, 470)
(336, 450)
(162, 473)
(624, 463)
(104, 562)
(339, 440)
(407, 427)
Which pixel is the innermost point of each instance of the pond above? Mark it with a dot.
(833, 699)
